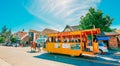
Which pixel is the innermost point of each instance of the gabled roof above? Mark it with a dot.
(75, 27)
(111, 33)
(22, 34)
(47, 31)
(72, 28)
(117, 31)
(35, 31)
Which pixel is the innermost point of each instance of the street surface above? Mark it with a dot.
(22, 56)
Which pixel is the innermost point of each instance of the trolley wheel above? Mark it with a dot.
(49, 52)
(80, 54)
(72, 55)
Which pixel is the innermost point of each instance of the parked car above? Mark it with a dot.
(102, 48)
(3, 44)
(15, 45)
(8, 44)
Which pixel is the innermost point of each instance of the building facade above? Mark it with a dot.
(34, 35)
(22, 37)
(110, 38)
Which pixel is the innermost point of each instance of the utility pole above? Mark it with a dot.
(93, 26)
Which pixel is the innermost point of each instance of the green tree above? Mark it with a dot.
(4, 29)
(95, 19)
(13, 40)
(9, 33)
(5, 32)
(2, 39)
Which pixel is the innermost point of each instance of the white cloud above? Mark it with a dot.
(116, 26)
(58, 13)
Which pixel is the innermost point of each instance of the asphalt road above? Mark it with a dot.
(99, 60)
(18, 56)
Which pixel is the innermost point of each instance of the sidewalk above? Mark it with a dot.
(21, 56)
(3, 63)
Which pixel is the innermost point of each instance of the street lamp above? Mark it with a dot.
(93, 26)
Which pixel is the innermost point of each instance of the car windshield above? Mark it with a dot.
(101, 44)
(41, 40)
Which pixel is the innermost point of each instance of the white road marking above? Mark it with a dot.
(108, 58)
(96, 61)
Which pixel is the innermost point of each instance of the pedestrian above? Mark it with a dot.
(33, 45)
(38, 47)
(95, 44)
(95, 38)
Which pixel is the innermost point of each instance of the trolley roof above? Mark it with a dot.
(88, 32)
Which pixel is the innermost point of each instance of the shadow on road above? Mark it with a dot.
(79, 61)
(32, 52)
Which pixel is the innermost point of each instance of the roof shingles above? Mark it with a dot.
(48, 31)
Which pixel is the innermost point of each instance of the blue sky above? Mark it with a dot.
(54, 14)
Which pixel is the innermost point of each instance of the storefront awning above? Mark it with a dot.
(103, 38)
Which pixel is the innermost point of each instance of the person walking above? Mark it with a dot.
(38, 46)
(95, 44)
(33, 45)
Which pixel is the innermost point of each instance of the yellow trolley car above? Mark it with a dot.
(72, 43)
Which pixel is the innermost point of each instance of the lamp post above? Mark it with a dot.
(93, 26)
